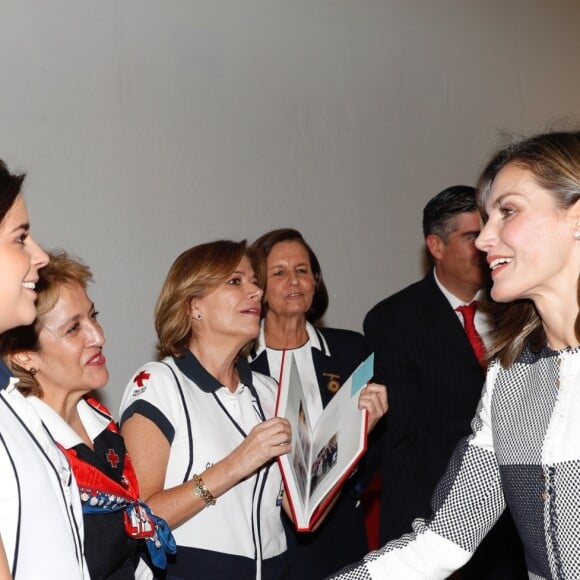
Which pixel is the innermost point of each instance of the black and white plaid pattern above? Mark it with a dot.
(525, 451)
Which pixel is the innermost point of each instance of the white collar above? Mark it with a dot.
(93, 422)
(11, 386)
(316, 340)
(451, 298)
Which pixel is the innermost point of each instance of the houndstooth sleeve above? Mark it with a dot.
(466, 503)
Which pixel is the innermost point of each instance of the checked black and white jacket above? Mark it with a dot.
(524, 450)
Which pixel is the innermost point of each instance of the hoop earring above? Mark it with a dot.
(198, 316)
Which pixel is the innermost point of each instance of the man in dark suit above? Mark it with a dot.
(433, 376)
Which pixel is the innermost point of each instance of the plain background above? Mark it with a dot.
(147, 127)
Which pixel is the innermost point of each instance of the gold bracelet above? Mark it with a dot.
(201, 490)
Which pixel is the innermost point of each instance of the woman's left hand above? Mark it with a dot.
(374, 399)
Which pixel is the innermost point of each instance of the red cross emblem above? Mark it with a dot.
(140, 378)
(112, 458)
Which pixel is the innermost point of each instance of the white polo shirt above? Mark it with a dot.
(204, 422)
(41, 521)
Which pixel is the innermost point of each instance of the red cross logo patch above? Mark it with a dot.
(112, 458)
(141, 378)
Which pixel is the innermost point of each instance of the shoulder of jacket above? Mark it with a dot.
(340, 333)
(392, 303)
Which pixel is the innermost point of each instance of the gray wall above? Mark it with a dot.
(147, 127)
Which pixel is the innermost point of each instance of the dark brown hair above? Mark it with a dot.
(320, 300)
(440, 212)
(10, 186)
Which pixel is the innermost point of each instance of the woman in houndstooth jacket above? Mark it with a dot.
(524, 450)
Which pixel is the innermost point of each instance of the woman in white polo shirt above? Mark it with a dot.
(59, 360)
(41, 529)
(198, 424)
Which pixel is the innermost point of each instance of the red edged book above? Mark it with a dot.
(324, 454)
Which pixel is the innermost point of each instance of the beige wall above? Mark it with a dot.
(147, 127)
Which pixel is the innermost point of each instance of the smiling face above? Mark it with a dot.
(232, 310)
(20, 259)
(70, 356)
(529, 241)
(290, 281)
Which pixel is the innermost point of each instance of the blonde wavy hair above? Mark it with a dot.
(61, 270)
(194, 274)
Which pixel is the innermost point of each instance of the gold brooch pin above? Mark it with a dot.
(333, 385)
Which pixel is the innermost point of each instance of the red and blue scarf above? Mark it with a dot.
(100, 493)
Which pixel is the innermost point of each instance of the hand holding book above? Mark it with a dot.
(266, 441)
(324, 454)
(373, 398)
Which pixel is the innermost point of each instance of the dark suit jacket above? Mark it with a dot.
(434, 383)
(341, 538)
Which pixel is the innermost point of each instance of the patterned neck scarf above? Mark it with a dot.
(107, 483)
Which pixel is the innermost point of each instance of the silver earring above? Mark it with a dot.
(577, 234)
(198, 316)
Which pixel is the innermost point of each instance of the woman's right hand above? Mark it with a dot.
(149, 450)
(264, 442)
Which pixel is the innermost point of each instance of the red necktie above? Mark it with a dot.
(468, 313)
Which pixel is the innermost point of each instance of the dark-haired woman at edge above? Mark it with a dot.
(40, 512)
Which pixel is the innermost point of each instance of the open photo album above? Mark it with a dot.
(324, 454)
